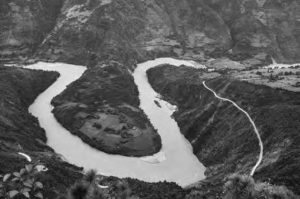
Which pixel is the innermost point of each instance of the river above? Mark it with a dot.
(175, 162)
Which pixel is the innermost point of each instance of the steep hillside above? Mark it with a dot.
(129, 30)
(222, 137)
(20, 131)
(132, 30)
(24, 25)
(270, 26)
(87, 31)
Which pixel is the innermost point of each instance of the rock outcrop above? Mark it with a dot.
(24, 25)
(262, 26)
(134, 30)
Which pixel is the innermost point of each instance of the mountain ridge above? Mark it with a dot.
(80, 32)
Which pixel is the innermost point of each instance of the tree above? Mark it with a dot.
(244, 187)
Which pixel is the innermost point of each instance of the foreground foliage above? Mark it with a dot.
(242, 186)
(89, 188)
(22, 184)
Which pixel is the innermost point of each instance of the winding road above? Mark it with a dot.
(252, 122)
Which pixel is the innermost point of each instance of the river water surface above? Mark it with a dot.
(175, 162)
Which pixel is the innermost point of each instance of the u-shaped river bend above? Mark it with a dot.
(175, 162)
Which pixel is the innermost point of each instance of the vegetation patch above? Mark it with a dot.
(102, 108)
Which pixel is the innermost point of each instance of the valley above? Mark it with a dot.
(183, 86)
(151, 168)
(162, 98)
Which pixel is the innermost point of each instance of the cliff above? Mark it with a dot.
(24, 25)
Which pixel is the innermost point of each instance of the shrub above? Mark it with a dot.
(297, 84)
(268, 191)
(22, 184)
(239, 186)
(288, 73)
(88, 188)
(195, 195)
(97, 125)
(244, 187)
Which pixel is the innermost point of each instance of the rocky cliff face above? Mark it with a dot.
(87, 31)
(134, 30)
(262, 26)
(24, 25)
(222, 136)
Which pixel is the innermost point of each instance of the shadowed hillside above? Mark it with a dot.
(222, 137)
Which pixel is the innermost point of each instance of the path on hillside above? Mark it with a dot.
(252, 122)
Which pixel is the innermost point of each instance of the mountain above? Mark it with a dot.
(84, 32)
